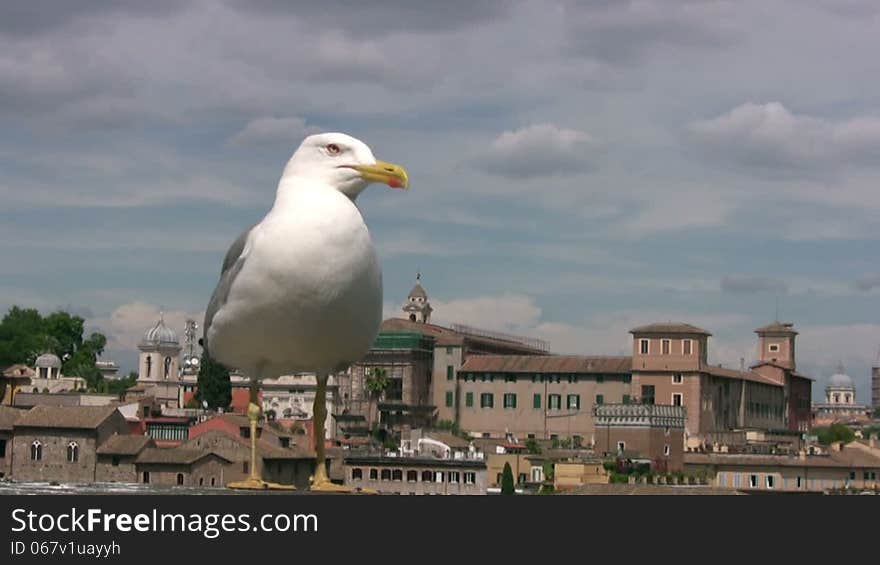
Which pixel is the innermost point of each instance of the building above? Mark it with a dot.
(159, 365)
(117, 456)
(537, 396)
(60, 443)
(182, 467)
(415, 475)
(49, 378)
(292, 397)
(12, 380)
(8, 417)
(854, 465)
(651, 432)
(840, 404)
(109, 369)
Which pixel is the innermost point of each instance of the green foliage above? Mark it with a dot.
(548, 471)
(377, 382)
(833, 433)
(533, 447)
(616, 477)
(192, 403)
(610, 466)
(507, 486)
(213, 383)
(25, 334)
(120, 386)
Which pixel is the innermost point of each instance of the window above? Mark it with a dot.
(647, 394)
(179, 478)
(448, 398)
(2, 448)
(770, 481)
(573, 402)
(510, 400)
(687, 347)
(469, 399)
(600, 379)
(666, 450)
(201, 481)
(577, 441)
(676, 378)
(374, 474)
(626, 399)
(36, 451)
(600, 399)
(438, 477)
(536, 400)
(521, 478)
(386, 474)
(397, 475)
(621, 446)
(510, 378)
(799, 482)
(676, 398)
(774, 348)
(643, 346)
(427, 476)
(72, 452)
(146, 477)
(412, 476)
(244, 466)
(530, 436)
(852, 475)
(213, 481)
(470, 477)
(753, 481)
(554, 401)
(450, 372)
(357, 474)
(867, 475)
(487, 400)
(448, 350)
(115, 461)
(665, 346)
(454, 477)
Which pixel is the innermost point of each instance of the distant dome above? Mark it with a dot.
(160, 334)
(418, 291)
(840, 380)
(48, 360)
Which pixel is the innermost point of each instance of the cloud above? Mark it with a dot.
(867, 283)
(747, 284)
(273, 131)
(127, 323)
(540, 150)
(770, 138)
(39, 16)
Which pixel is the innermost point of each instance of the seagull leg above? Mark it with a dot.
(320, 481)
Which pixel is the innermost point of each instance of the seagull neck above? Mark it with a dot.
(292, 188)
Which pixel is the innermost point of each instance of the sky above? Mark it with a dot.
(576, 168)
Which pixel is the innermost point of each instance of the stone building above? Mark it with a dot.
(416, 475)
(182, 467)
(8, 417)
(840, 404)
(60, 443)
(14, 379)
(653, 432)
(159, 365)
(117, 456)
(48, 377)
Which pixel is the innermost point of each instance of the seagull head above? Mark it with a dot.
(343, 162)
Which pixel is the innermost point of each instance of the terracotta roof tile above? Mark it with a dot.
(75, 417)
(547, 364)
(669, 328)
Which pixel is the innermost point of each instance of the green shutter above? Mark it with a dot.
(469, 399)
(449, 398)
(600, 399)
(536, 400)
(449, 370)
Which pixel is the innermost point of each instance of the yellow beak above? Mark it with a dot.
(387, 173)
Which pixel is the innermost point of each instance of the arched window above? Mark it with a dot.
(397, 475)
(179, 478)
(357, 474)
(72, 452)
(212, 481)
(427, 476)
(374, 474)
(386, 474)
(146, 477)
(167, 366)
(36, 451)
(412, 476)
(149, 362)
(201, 481)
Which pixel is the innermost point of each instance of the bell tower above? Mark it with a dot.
(417, 308)
(776, 344)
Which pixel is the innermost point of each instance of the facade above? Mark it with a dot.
(850, 466)
(292, 397)
(159, 365)
(181, 467)
(840, 403)
(54, 443)
(8, 417)
(646, 431)
(415, 475)
(537, 397)
(777, 361)
(117, 456)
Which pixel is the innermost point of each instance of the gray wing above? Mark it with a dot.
(232, 264)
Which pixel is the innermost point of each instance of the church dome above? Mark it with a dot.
(418, 291)
(840, 380)
(160, 334)
(48, 360)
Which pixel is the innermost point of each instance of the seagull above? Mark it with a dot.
(301, 291)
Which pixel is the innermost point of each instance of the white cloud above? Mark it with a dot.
(126, 325)
(770, 137)
(270, 131)
(540, 150)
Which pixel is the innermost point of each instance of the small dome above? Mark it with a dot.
(840, 380)
(418, 291)
(160, 334)
(48, 360)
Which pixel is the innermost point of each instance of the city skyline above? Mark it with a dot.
(630, 163)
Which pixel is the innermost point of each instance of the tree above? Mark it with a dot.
(376, 383)
(834, 432)
(213, 383)
(507, 486)
(533, 447)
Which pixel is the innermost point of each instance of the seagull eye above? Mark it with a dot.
(333, 149)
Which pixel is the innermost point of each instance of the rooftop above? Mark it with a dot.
(174, 455)
(9, 415)
(777, 327)
(71, 417)
(472, 338)
(625, 489)
(663, 328)
(125, 444)
(548, 364)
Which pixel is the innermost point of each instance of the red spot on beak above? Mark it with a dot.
(394, 183)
